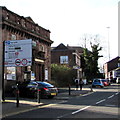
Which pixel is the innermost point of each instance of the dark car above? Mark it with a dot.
(97, 83)
(31, 88)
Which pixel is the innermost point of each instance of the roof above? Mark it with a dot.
(114, 59)
(31, 28)
(61, 46)
(78, 48)
(30, 19)
(27, 18)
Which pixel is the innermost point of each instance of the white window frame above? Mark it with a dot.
(63, 59)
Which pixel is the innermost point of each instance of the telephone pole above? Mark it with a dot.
(108, 44)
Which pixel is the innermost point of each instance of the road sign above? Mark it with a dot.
(18, 53)
(17, 62)
(24, 62)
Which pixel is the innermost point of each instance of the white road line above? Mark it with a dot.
(75, 112)
(100, 101)
(108, 105)
(87, 94)
(81, 110)
(117, 93)
(110, 96)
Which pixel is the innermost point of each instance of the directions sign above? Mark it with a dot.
(18, 53)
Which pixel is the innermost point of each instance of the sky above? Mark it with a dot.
(71, 21)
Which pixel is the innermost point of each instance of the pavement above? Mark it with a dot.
(9, 106)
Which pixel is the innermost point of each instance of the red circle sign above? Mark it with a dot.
(24, 62)
(17, 62)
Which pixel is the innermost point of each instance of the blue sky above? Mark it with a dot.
(70, 20)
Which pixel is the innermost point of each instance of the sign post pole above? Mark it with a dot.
(16, 53)
(3, 89)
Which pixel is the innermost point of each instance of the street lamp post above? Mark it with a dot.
(108, 44)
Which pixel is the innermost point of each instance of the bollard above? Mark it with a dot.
(69, 90)
(91, 89)
(17, 96)
(38, 95)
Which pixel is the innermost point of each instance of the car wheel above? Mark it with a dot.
(14, 93)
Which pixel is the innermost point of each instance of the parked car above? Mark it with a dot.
(109, 81)
(31, 88)
(97, 82)
(105, 82)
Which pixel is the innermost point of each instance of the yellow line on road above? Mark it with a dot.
(23, 102)
(22, 111)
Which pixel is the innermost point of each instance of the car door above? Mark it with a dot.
(31, 88)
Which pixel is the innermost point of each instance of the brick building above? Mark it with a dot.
(112, 69)
(16, 27)
(68, 55)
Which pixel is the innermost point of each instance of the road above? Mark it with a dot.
(103, 103)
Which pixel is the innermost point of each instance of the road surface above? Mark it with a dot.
(102, 103)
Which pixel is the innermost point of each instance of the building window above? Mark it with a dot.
(18, 22)
(63, 59)
(7, 17)
(11, 73)
(13, 37)
(23, 23)
(41, 48)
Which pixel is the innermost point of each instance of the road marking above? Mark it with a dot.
(117, 93)
(73, 112)
(81, 110)
(108, 105)
(100, 101)
(110, 96)
(87, 94)
(30, 109)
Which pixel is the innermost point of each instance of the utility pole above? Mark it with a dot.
(108, 44)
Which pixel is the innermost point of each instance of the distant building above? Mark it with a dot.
(16, 27)
(68, 55)
(112, 69)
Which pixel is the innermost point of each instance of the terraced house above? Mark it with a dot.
(16, 27)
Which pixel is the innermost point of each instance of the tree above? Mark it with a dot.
(91, 61)
(62, 75)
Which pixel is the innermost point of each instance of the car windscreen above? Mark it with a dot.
(104, 80)
(96, 80)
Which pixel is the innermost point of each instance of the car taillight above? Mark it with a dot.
(45, 89)
(39, 90)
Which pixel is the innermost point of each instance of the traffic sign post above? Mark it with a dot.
(18, 53)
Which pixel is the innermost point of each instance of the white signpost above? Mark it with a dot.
(18, 53)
